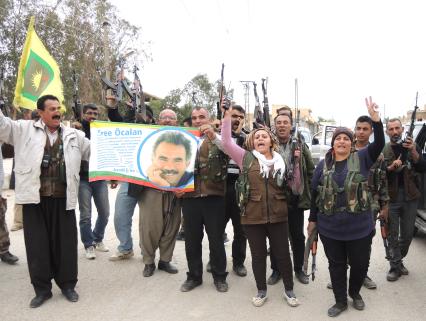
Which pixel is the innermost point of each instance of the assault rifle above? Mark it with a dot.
(3, 100)
(409, 133)
(258, 114)
(222, 96)
(266, 118)
(384, 232)
(294, 144)
(76, 106)
(138, 100)
(311, 247)
(120, 86)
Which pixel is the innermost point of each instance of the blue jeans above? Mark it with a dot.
(99, 191)
(402, 216)
(124, 209)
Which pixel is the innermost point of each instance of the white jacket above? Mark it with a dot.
(29, 139)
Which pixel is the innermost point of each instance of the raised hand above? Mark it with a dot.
(373, 109)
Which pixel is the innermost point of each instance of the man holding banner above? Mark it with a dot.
(159, 210)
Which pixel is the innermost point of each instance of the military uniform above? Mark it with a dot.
(204, 208)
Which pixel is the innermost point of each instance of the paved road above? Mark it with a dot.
(118, 291)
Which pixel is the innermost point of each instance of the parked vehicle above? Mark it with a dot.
(307, 136)
(321, 143)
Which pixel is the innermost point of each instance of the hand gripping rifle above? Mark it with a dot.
(76, 106)
(258, 114)
(311, 246)
(266, 118)
(409, 133)
(3, 100)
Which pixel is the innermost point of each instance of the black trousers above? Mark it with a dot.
(232, 212)
(297, 238)
(356, 253)
(278, 239)
(50, 234)
(199, 213)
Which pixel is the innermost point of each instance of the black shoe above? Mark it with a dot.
(221, 285)
(189, 285)
(148, 270)
(9, 258)
(274, 278)
(240, 270)
(209, 267)
(393, 274)
(167, 267)
(358, 302)
(39, 300)
(180, 236)
(403, 270)
(369, 283)
(336, 309)
(70, 295)
(302, 277)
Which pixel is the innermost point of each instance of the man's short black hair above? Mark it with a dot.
(175, 138)
(239, 108)
(89, 106)
(364, 119)
(42, 100)
(284, 114)
(188, 120)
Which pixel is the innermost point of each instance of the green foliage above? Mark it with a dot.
(72, 32)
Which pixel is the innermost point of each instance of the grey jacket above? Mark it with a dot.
(29, 139)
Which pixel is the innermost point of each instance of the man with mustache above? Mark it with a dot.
(47, 164)
(403, 161)
(159, 210)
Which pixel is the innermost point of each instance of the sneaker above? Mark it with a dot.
(118, 256)
(291, 299)
(274, 278)
(221, 285)
(336, 309)
(90, 253)
(393, 274)
(358, 302)
(404, 270)
(369, 283)
(100, 246)
(259, 299)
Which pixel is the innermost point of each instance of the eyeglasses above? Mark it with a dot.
(90, 113)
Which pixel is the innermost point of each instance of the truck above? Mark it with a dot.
(321, 143)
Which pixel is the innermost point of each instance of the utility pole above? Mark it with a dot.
(107, 62)
(246, 86)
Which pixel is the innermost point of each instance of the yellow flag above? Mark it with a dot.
(38, 73)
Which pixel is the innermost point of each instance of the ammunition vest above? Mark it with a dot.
(53, 176)
(410, 176)
(261, 200)
(377, 184)
(357, 195)
(210, 171)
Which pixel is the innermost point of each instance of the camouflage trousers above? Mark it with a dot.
(4, 233)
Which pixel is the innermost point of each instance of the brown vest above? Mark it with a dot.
(209, 172)
(267, 202)
(53, 178)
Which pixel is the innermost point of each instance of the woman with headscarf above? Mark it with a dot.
(341, 210)
(263, 205)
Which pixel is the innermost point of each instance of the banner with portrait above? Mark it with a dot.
(160, 157)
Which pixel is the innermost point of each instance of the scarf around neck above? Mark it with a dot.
(265, 164)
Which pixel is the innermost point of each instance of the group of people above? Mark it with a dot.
(262, 181)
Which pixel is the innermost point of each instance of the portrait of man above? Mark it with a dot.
(171, 156)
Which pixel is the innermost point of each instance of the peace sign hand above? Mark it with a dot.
(373, 109)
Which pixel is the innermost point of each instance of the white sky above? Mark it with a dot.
(340, 51)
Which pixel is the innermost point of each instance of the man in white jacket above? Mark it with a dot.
(47, 165)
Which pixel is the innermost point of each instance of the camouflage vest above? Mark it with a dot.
(214, 166)
(357, 194)
(377, 184)
(53, 177)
